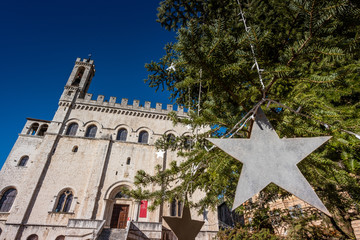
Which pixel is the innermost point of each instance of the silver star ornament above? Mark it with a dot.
(268, 159)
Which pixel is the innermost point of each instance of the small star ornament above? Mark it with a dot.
(268, 159)
(160, 154)
(184, 228)
(171, 67)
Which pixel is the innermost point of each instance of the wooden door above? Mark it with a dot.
(119, 216)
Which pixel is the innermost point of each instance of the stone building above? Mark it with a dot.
(63, 178)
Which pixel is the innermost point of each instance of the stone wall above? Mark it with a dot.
(356, 226)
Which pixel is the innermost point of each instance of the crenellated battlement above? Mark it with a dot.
(80, 61)
(91, 104)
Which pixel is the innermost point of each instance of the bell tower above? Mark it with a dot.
(80, 79)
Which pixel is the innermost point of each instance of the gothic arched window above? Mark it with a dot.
(122, 134)
(23, 161)
(91, 131)
(43, 129)
(33, 129)
(143, 137)
(32, 237)
(72, 129)
(64, 201)
(7, 200)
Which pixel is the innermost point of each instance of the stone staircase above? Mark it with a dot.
(112, 234)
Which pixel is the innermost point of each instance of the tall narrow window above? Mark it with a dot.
(64, 202)
(179, 208)
(78, 77)
(91, 131)
(143, 137)
(42, 130)
(7, 200)
(173, 208)
(72, 129)
(122, 134)
(23, 161)
(33, 129)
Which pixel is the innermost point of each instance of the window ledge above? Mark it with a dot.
(66, 213)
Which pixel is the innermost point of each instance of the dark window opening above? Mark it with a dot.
(33, 129)
(121, 195)
(91, 131)
(72, 129)
(176, 208)
(179, 208)
(75, 148)
(78, 77)
(170, 138)
(32, 237)
(143, 137)
(7, 200)
(128, 161)
(61, 237)
(23, 161)
(64, 201)
(122, 135)
(42, 130)
(173, 208)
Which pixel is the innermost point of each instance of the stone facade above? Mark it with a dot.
(62, 178)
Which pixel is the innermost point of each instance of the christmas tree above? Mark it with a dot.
(299, 59)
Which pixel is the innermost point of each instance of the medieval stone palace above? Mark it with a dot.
(64, 178)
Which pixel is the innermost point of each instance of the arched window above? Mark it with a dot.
(143, 137)
(43, 129)
(170, 138)
(32, 237)
(175, 208)
(0, 231)
(91, 131)
(61, 237)
(78, 77)
(7, 200)
(33, 129)
(23, 161)
(121, 194)
(188, 143)
(122, 134)
(71, 130)
(64, 202)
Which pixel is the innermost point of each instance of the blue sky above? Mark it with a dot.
(40, 41)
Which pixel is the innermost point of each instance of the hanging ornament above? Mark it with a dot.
(268, 159)
(171, 68)
(160, 154)
(184, 228)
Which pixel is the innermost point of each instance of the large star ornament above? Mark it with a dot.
(184, 228)
(268, 159)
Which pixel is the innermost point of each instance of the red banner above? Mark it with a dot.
(143, 209)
